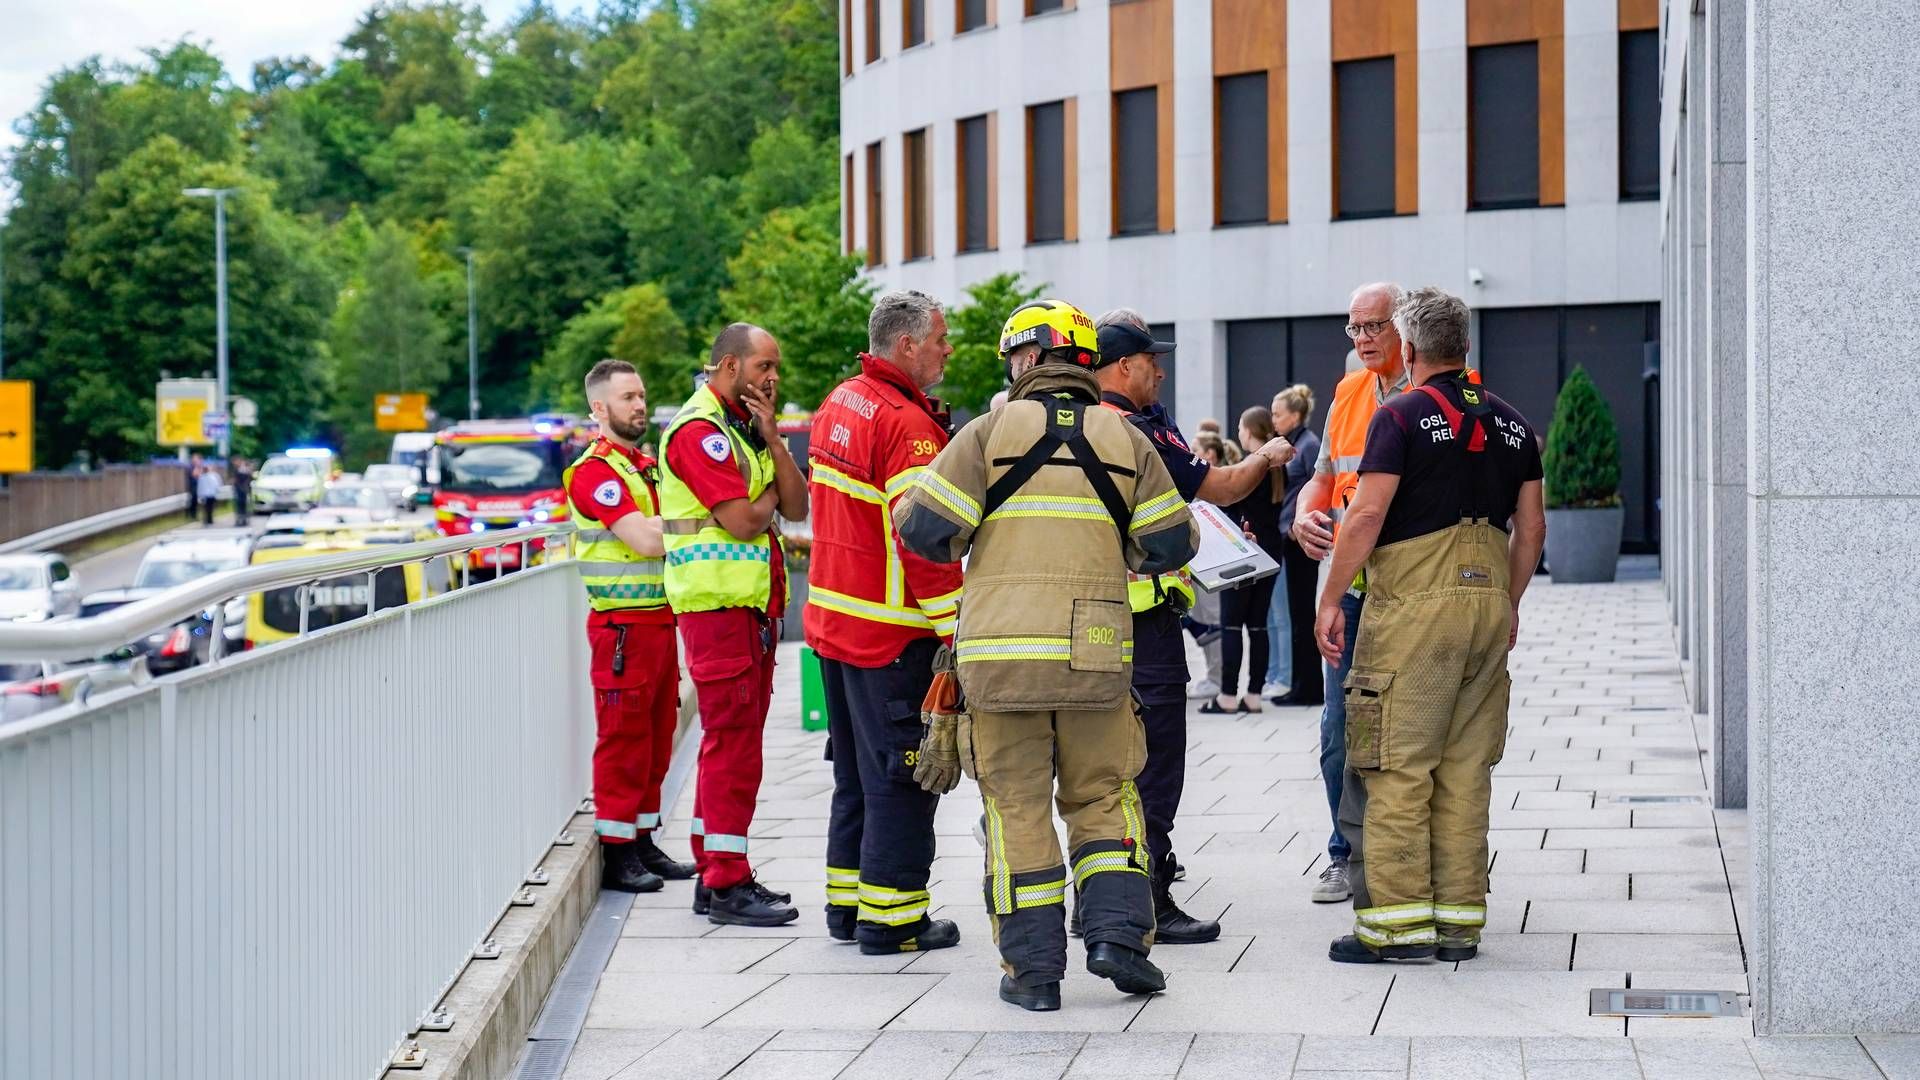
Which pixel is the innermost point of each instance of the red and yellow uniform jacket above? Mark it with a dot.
(868, 597)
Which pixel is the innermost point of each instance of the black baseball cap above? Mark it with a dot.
(1119, 340)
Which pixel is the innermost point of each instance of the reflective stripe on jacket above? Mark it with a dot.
(617, 577)
(707, 568)
(867, 596)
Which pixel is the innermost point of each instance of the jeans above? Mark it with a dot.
(1333, 727)
(1279, 633)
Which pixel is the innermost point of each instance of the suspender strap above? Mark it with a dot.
(1475, 446)
(1065, 424)
(1103, 486)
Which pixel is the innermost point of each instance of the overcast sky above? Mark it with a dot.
(39, 37)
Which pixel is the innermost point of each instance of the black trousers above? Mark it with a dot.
(1159, 678)
(1245, 606)
(880, 836)
(1302, 573)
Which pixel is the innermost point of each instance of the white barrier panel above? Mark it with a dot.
(275, 866)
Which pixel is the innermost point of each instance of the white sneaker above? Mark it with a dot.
(1205, 688)
(1333, 886)
(1274, 689)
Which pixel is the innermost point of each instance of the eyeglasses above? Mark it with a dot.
(1371, 329)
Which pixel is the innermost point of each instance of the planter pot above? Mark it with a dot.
(1583, 546)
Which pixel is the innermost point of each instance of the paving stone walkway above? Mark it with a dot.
(1590, 889)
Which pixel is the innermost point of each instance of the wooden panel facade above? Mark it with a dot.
(1363, 29)
(1140, 54)
(1250, 36)
(1639, 15)
(1070, 128)
(1504, 22)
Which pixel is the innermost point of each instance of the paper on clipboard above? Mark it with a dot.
(1226, 557)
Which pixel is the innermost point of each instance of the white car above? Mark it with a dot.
(353, 501)
(37, 587)
(402, 482)
(291, 483)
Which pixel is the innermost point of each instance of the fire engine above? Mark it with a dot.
(501, 474)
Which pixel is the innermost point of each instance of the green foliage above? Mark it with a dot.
(791, 278)
(425, 167)
(975, 372)
(1582, 460)
(386, 338)
(634, 324)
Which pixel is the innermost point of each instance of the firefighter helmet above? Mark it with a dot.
(1064, 333)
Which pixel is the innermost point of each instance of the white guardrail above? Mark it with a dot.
(274, 865)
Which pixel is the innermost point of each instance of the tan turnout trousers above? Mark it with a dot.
(1426, 722)
(1094, 756)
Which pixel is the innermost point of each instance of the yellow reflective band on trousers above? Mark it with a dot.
(1135, 819)
(1102, 862)
(843, 886)
(1425, 935)
(892, 907)
(1396, 915)
(616, 577)
(997, 872)
(707, 567)
(1043, 894)
(1460, 914)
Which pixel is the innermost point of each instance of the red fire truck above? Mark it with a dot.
(501, 474)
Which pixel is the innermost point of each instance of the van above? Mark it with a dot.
(414, 449)
(274, 615)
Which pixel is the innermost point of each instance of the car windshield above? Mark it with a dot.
(287, 467)
(165, 573)
(20, 576)
(526, 466)
(364, 496)
(390, 474)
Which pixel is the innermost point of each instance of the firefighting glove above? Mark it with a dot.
(937, 768)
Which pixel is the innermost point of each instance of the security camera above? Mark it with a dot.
(1475, 277)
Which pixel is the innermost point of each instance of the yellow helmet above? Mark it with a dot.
(1064, 333)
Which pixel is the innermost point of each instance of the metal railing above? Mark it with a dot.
(274, 865)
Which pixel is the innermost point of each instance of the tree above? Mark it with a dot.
(786, 166)
(975, 372)
(791, 278)
(419, 56)
(425, 167)
(679, 232)
(533, 68)
(1582, 459)
(386, 337)
(634, 324)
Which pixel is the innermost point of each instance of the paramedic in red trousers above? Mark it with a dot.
(727, 474)
(612, 496)
(876, 614)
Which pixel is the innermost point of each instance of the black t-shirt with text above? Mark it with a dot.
(1411, 437)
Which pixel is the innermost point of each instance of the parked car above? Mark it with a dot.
(402, 482)
(357, 501)
(179, 558)
(285, 482)
(186, 555)
(37, 587)
(30, 689)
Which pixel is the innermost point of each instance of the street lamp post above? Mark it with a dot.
(473, 344)
(219, 197)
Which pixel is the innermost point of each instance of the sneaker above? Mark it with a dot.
(749, 904)
(1333, 885)
(1205, 688)
(1274, 689)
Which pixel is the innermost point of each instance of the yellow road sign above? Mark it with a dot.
(180, 409)
(16, 426)
(400, 412)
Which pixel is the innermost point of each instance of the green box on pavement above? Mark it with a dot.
(813, 692)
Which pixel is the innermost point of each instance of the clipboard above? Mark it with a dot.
(1226, 557)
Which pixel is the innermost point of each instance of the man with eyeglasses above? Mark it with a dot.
(1317, 513)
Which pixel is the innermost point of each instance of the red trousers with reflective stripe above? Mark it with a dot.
(730, 656)
(635, 712)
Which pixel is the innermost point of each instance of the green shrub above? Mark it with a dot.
(1582, 460)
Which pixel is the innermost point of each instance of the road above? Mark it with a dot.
(114, 568)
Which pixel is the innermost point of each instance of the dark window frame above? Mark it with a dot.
(1056, 153)
(873, 31)
(1629, 191)
(916, 207)
(908, 9)
(1136, 175)
(960, 16)
(1386, 143)
(876, 204)
(1222, 141)
(975, 182)
(1483, 62)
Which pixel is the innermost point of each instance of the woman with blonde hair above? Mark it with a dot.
(1293, 415)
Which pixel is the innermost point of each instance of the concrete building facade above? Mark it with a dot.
(1234, 168)
(1788, 221)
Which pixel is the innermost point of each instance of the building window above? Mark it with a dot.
(1041, 7)
(1136, 161)
(846, 38)
(1364, 141)
(846, 199)
(876, 208)
(1503, 121)
(919, 228)
(1640, 114)
(974, 144)
(1163, 331)
(973, 14)
(1046, 172)
(873, 30)
(913, 23)
(1241, 153)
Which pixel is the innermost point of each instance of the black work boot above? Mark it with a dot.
(939, 934)
(657, 862)
(1171, 926)
(1451, 952)
(1351, 950)
(1131, 972)
(702, 898)
(1042, 998)
(841, 920)
(749, 904)
(621, 870)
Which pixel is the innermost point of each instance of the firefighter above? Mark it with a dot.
(876, 614)
(1056, 499)
(1448, 522)
(727, 473)
(613, 499)
(1130, 374)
